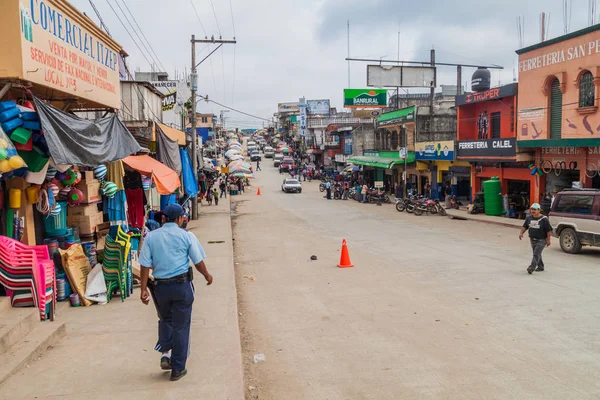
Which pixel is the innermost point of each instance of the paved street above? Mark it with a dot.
(434, 308)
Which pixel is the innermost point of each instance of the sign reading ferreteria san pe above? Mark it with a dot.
(365, 98)
(59, 49)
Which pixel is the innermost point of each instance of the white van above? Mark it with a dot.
(269, 152)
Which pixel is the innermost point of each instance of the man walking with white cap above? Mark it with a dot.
(540, 232)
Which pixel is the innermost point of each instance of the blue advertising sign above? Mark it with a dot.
(435, 150)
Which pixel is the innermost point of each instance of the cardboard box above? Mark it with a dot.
(88, 176)
(91, 191)
(83, 211)
(86, 224)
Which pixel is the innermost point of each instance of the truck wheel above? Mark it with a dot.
(569, 242)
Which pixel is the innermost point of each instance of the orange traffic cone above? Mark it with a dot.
(345, 257)
(258, 193)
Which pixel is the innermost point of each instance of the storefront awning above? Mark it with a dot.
(167, 180)
(380, 162)
(172, 134)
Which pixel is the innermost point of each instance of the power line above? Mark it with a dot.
(129, 33)
(232, 21)
(215, 14)
(233, 75)
(198, 17)
(136, 34)
(223, 65)
(142, 32)
(233, 109)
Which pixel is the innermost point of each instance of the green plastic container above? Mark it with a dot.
(492, 197)
(20, 135)
(35, 159)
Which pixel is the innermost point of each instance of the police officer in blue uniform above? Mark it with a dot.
(167, 251)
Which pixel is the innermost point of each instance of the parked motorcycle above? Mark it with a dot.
(430, 207)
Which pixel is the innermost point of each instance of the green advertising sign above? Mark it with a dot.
(397, 117)
(365, 98)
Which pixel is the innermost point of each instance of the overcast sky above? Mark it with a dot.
(288, 49)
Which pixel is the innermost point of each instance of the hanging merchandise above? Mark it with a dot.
(51, 173)
(75, 197)
(77, 178)
(69, 177)
(33, 193)
(109, 189)
(79, 141)
(146, 182)
(9, 158)
(190, 184)
(14, 198)
(64, 193)
(100, 172)
(52, 187)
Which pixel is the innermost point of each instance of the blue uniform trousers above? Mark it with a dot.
(174, 302)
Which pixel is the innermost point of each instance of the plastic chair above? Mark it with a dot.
(114, 269)
(26, 269)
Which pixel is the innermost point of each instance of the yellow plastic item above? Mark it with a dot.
(14, 198)
(4, 166)
(16, 162)
(32, 194)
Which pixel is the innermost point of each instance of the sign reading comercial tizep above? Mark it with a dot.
(488, 148)
(303, 119)
(365, 98)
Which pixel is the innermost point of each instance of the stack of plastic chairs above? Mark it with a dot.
(28, 274)
(114, 268)
(125, 241)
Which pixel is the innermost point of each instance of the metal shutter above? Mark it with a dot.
(555, 110)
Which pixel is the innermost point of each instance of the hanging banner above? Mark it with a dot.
(365, 98)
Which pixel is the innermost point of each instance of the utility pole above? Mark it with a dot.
(434, 84)
(194, 87)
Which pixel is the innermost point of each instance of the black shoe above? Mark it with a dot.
(538, 269)
(165, 363)
(530, 270)
(177, 375)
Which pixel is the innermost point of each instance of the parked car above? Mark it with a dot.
(269, 152)
(251, 149)
(575, 216)
(277, 160)
(255, 155)
(291, 185)
(287, 164)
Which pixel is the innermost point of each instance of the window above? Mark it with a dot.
(495, 125)
(512, 118)
(586, 90)
(204, 120)
(575, 204)
(555, 110)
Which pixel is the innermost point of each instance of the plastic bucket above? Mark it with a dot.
(14, 198)
(32, 194)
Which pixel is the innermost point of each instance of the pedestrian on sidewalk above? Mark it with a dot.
(168, 251)
(223, 188)
(346, 190)
(209, 196)
(448, 193)
(216, 196)
(540, 230)
(364, 191)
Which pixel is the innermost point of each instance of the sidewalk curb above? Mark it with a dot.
(467, 217)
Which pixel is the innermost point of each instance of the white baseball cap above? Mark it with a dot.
(536, 206)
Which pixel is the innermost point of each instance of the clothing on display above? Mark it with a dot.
(115, 174)
(116, 208)
(135, 207)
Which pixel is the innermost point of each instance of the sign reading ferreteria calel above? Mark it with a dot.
(487, 148)
(435, 150)
(50, 43)
(365, 98)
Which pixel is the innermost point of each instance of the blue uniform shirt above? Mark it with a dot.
(168, 250)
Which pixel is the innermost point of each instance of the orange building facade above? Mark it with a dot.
(558, 118)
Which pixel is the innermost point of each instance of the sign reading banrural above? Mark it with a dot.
(365, 98)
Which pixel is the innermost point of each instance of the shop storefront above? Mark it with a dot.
(69, 185)
(443, 168)
(558, 115)
(383, 166)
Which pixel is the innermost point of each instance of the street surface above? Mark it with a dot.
(433, 309)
